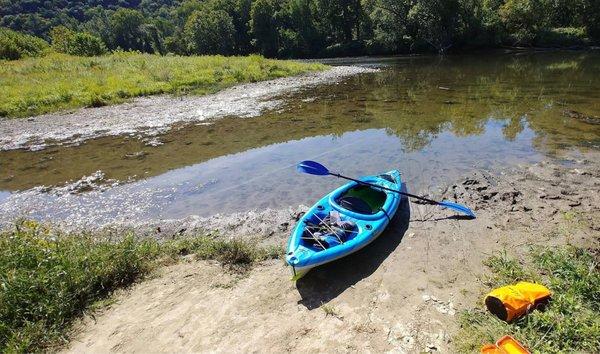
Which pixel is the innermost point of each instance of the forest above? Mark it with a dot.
(293, 28)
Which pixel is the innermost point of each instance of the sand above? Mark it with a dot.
(401, 294)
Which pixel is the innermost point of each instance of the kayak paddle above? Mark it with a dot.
(315, 168)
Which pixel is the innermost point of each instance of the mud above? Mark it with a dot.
(148, 116)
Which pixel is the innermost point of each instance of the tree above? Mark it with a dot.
(389, 22)
(264, 27)
(591, 18)
(209, 32)
(342, 17)
(437, 22)
(129, 31)
(301, 19)
(522, 19)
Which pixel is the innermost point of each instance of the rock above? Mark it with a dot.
(154, 142)
(284, 226)
(136, 155)
(470, 182)
(581, 116)
(510, 196)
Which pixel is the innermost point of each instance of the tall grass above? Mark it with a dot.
(47, 281)
(570, 323)
(59, 81)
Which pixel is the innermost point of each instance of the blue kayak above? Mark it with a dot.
(343, 222)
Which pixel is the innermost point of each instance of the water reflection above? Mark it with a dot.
(432, 118)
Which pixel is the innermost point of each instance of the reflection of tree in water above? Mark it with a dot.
(405, 99)
(422, 97)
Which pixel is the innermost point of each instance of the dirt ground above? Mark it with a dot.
(401, 294)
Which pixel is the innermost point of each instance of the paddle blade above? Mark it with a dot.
(457, 207)
(312, 168)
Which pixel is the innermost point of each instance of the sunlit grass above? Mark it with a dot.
(571, 321)
(47, 281)
(57, 81)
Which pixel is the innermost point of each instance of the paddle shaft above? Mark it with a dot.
(387, 189)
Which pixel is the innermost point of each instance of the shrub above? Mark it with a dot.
(67, 41)
(562, 37)
(15, 45)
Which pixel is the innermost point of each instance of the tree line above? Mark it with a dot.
(301, 28)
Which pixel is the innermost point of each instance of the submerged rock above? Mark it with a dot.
(581, 116)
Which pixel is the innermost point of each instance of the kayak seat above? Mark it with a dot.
(363, 200)
(355, 204)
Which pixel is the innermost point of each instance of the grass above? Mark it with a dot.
(570, 323)
(59, 81)
(48, 281)
(329, 310)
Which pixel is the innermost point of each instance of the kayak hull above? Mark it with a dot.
(302, 257)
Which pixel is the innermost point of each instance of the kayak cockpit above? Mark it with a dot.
(323, 230)
(362, 199)
(364, 202)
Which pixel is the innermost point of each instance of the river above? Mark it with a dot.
(433, 118)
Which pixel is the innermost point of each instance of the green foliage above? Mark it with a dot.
(591, 18)
(389, 19)
(436, 22)
(59, 81)
(308, 28)
(209, 32)
(264, 27)
(76, 43)
(235, 254)
(343, 19)
(571, 321)
(47, 280)
(562, 37)
(15, 45)
(522, 19)
(131, 31)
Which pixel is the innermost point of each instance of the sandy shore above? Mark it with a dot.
(148, 116)
(401, 294)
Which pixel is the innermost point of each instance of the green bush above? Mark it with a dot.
(67, 41)
(15, 45)
(562, 37)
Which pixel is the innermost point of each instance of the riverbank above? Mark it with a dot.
(404, 292)
(59, 82)
(149, 116)
(408, 291)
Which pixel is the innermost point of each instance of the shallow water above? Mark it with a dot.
(433, 118)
